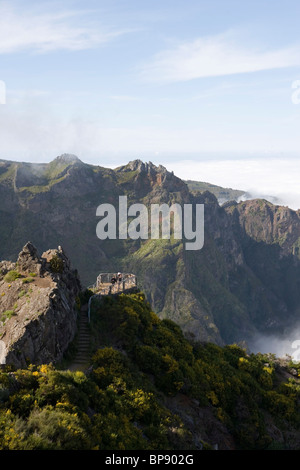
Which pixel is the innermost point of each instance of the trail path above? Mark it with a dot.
(82, 358)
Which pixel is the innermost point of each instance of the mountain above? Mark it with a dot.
(243, 281)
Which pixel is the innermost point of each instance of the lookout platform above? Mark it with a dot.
(113, 283)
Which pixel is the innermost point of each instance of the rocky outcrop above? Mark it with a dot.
(38, 311)
(268, 223)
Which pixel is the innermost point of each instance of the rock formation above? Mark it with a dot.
(37, 307)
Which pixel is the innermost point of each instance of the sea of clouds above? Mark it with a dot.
(274, 179)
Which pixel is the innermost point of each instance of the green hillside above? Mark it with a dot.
(222, 194)
(150, 388)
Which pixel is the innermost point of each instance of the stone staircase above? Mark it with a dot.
(82, 358)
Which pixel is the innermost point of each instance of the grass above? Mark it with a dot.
(7, 315)
(126, 177)
(9, 173)
(12, 276)
(27, 280)
(41, 188)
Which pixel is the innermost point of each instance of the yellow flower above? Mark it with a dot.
(44, 369)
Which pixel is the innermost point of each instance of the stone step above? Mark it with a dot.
(83, 354)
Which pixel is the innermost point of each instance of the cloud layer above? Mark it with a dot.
(216, 56)
(262, 177)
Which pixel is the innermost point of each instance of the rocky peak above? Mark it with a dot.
(152, 179)
(28, 260)
(143, 167)
(67, 158)
(38, 311)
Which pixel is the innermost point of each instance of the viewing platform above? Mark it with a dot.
(113, 283)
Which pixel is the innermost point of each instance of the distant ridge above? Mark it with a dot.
(222, 194)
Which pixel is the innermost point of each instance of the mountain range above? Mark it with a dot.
(244, 281)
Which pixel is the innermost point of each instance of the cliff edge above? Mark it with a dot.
(37, 307)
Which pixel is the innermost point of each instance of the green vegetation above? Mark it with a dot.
(218, 191)
(126, 177)
(56, 264)
(54, 173)
(7, 172)
(140, 363)
(27, 280)
(7, 315)
(21, 294)
(11, 276)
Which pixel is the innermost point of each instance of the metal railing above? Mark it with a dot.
(113, 283)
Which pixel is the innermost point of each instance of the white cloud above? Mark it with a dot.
(45, 32)
(216, 56)
(262, 177)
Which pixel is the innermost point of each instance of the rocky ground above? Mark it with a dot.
(38, 307)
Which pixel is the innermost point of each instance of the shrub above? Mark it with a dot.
(7, 315)
(27, 280)
(11, 276)
(56, 264)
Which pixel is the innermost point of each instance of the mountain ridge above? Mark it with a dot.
(245, 279)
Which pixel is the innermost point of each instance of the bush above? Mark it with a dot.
(27, 280)
(11, 276)
(56, 264)
(7, 315)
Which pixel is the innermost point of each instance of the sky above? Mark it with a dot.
(210, 89)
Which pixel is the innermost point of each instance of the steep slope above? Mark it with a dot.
(38, 315)
(246, 277)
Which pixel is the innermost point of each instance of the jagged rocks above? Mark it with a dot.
(37, 307)
(28, 260)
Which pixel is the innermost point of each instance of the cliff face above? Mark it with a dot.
(245, 279)
(37, 305)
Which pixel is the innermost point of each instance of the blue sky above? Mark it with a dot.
(203, 87)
